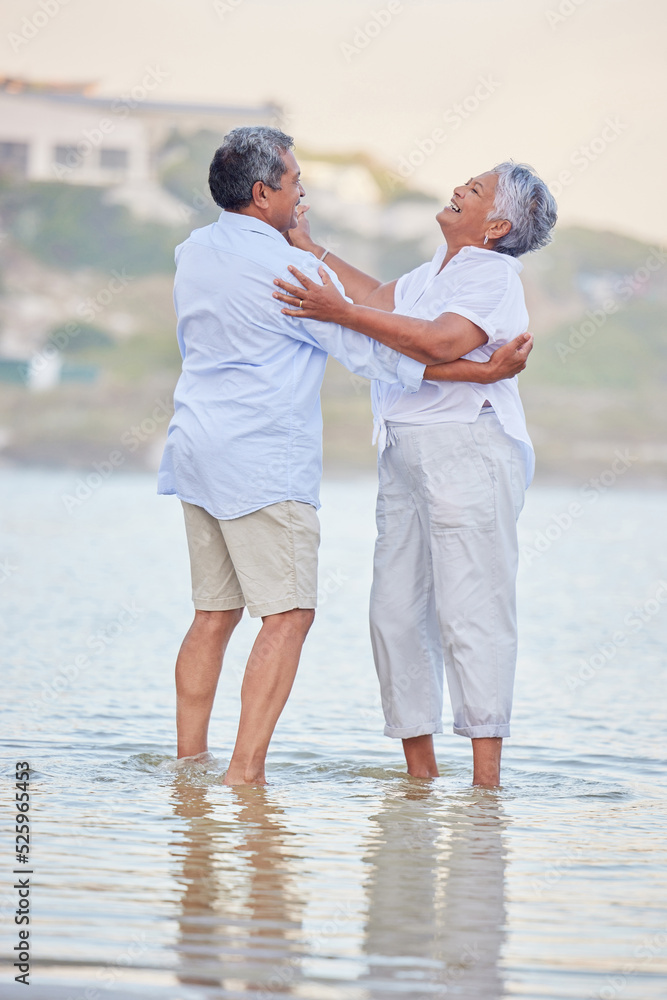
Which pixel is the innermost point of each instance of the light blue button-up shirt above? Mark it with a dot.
(247, 425)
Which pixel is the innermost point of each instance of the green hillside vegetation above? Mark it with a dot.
(69, 226)
(628, 351)
(613, 291)
(596, 379)
(613, 338)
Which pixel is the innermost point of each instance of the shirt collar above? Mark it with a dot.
(437, 260)
(476, 252)
(249, 223)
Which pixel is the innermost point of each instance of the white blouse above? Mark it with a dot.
(484, 286)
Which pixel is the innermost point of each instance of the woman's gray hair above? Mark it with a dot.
(248, 154)
(524, 200)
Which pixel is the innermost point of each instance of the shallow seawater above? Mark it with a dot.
(343, 878)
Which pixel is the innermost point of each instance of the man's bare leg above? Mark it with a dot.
(420, 757)
(486, 761)
(267, 682)
(197, 671)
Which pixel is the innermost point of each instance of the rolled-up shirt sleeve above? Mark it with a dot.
(490, 310)
(410, 373)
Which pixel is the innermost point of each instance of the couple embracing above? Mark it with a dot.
(260, 305)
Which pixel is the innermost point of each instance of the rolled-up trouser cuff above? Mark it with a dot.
(280, 607)
(427, 729)
(483, 732)
(229, 605)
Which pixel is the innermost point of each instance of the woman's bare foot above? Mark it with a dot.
(240, 776)
(420, 757)
(486, 761)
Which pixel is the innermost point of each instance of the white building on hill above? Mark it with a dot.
(62, 132)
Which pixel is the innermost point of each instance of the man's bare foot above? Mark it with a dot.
(267, 682)
(237, 776)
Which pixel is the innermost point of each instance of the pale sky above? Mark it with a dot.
(580, 89)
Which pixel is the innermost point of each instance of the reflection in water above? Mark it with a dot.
(435, 888)
(241, 918)
(435, 895)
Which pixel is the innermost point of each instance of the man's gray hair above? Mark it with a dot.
(524, 200)
(248, 154)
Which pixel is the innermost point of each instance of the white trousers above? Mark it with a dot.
(444, 580)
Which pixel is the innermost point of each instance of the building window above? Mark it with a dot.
(67, 156)
(14, 158)
(113, 159)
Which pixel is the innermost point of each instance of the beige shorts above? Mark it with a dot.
(265, 561)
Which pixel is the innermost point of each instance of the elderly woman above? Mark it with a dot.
(454, 461)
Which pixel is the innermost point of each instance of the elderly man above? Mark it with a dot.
(454, 462)
(243, 451)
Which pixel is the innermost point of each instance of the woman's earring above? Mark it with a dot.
(486, 240)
